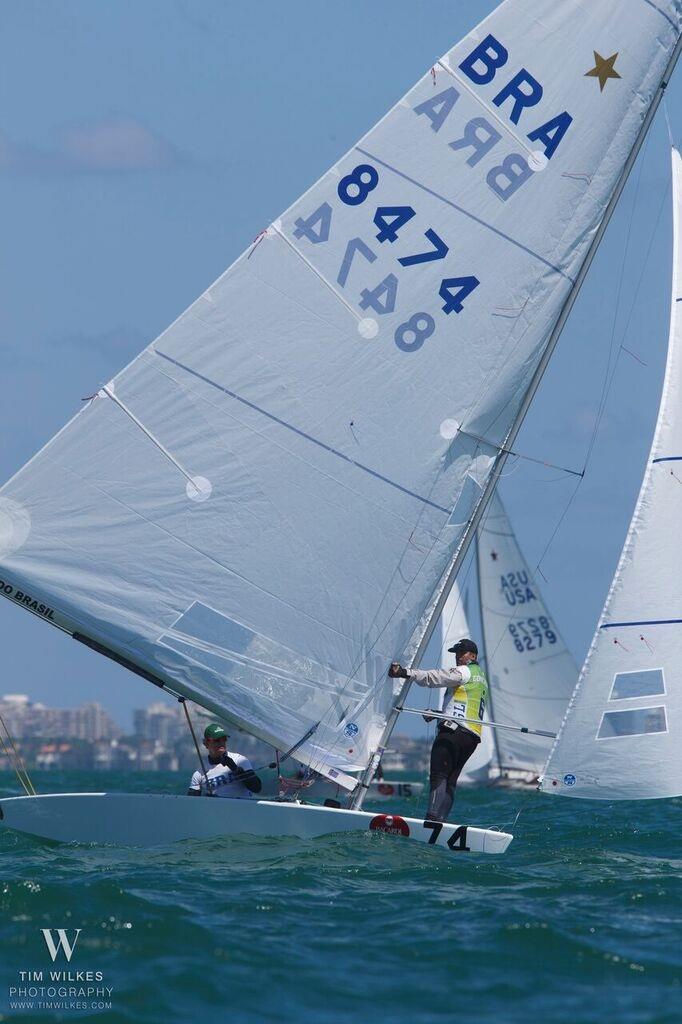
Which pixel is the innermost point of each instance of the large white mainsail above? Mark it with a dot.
(622, 733)
(257, 511)
(531, 671)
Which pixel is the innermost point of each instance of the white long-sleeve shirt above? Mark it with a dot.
(435, 678)
(453, 682)
(223, 782)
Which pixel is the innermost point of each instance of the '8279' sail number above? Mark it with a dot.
(353, 190)
(532, 634)
(458, 839)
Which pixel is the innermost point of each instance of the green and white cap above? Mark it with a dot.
(215, 732)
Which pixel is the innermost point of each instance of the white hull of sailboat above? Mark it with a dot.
(525, 783)
(387, 790)
(477, 779)
(377, 790)
(122, 819)
(494, 779)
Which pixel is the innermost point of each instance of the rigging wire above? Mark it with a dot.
(520, 455)
(181, 700)
(16, 761)
(667, 121)
(505, 358)
(512, 824)
(606, 389)
(664, 196)
(608, 374)
(19, 766)
(12, 765)
(557, 528)
(424, 799)
(513, 468)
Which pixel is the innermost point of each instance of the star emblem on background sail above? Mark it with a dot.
(603, 69)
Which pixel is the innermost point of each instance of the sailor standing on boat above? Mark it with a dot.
(230, 775)
(465, 697)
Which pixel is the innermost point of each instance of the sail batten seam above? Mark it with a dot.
(278, 231)
(488, 109)
(302, 433)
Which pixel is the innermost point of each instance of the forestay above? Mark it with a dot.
(258, 510)
(455, 626)
(531, 672)
(622, 733)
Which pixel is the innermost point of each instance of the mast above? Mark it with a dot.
(508, 442)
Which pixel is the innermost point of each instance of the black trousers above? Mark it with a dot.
(451, 750)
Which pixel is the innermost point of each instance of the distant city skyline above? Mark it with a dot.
(91, 720)
(162, 720)
(87, 721)
(87, 737)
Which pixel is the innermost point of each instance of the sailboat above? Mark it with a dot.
(272, 501)
(531, 672)
(620, 738)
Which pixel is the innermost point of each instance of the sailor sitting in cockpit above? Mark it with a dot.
(230, 775)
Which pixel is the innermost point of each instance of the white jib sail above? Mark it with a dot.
(531, 672)
(454, 626)
(623, 729)
(259, 508)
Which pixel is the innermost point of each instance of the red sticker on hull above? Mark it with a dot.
(386, 789)
(391, 823)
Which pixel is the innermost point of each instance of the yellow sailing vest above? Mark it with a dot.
(469, 700)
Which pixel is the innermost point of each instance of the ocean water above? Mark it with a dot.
(580, 922)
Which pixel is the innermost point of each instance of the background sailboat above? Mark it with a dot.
(240, 516)
(621, 735)
(530, 671)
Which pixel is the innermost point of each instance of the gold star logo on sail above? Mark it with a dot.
(603, 69)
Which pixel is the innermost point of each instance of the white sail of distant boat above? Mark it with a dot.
(270, 503)
(454, 626)
(623, 729)
(530, 670)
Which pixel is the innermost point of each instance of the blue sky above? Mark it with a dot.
(143, 145)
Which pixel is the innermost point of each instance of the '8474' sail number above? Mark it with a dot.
(353, 190)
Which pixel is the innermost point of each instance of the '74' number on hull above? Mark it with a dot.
(458, 839)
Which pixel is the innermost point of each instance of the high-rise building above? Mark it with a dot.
(161, 723)
(89, 722)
